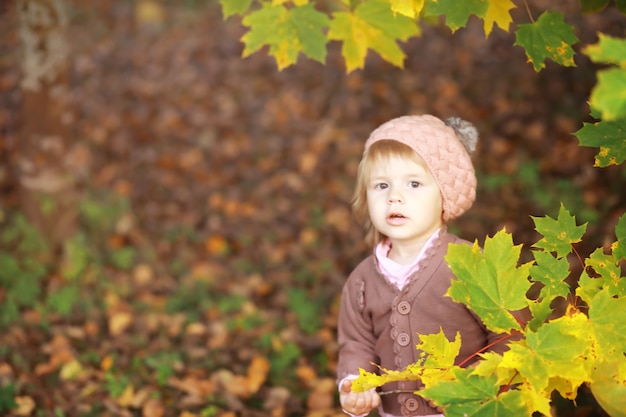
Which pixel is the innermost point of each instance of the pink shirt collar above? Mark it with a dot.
(399, 274)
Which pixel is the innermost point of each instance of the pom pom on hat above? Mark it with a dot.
(445, 147)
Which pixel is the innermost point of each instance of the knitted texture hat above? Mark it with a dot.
(445, 147)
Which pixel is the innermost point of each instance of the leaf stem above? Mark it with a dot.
(506, 387)
(397, 391)
(530, 15)
(495, 342)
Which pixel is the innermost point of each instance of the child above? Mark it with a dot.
(416, 175)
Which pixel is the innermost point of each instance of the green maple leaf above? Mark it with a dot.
(547, 38)
(619, 247)
(374, 26)
(554, 356)
(559, 234)
(233, 7)
(609, 94)
(588, 287)
(456, 12)
(287, 31)
(551, 272)
(610, 137)
(610, 273)
(607, 317)
(489, 282)
(540, 310)
(592, 6)
(474, 396)
(608, 50)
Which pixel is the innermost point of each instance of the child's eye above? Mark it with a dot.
(381, 186)
(414, 184)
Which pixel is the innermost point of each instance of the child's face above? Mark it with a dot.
(404, 200)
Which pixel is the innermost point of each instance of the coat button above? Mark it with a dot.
(404, 307)
(411, 404)
(403, 339)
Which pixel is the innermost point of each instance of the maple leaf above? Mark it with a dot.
(490, 365)
(553, 356)
(436, 361)
(409, 8)
(287, 31)
(233, 7)
(374, 26)
(551, 272)
(607, 319)
(610, 137)
(559, 234)
(606, 266)
(368, 380)
(439, 351)
(498, 14)
(588, 287)
(608, 50)
(619, 246)
(489, 282)
(548, 37)
(540, 310)
(535, 400)
(609, 386)
(438, 354)
(456, 12)
(609, 94)
(590, 6)
(473, 396)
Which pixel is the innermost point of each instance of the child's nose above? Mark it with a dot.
(395, 196)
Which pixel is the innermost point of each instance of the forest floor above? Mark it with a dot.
(216, 223)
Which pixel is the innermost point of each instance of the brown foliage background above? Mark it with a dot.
(238, 180)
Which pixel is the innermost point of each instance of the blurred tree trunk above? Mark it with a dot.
(47, 188)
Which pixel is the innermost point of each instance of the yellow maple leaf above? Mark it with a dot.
(410, 8)
(539, 401)
(498, 14)
(609, 386)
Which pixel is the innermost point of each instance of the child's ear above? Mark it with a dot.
(465, 131)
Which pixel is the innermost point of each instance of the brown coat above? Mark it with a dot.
(378, 323)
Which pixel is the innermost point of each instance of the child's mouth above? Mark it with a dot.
(396, 219)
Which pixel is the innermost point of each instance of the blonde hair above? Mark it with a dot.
(380, 151)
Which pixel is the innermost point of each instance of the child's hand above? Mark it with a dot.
(357, 403)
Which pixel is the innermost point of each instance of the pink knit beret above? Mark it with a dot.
(445, 147)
